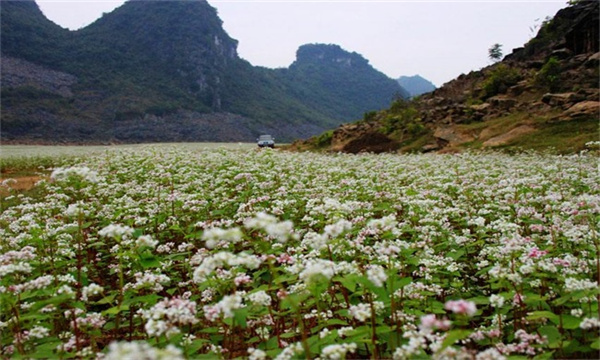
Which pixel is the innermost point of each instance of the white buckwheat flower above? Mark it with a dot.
(496, 301)
(141, 350)
(91, 290)
(377, 275)
(337, 351)
(259, 298)
(146, 241)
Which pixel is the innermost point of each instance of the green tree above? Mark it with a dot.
(495, 52)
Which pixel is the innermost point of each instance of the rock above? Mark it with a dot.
(16, 73)
(588, 94)
(452, 135)
(502, 102)
(593, 61)
(507, 137)
(521, 87)
(431, 147)
(563, 100)
(581, 109)
(374, 142)
(480, 107)
(561, 53)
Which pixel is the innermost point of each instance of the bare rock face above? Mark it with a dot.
(17, 72)
(452, 135)
(507, 137)
(502, 103)
(581, 109)
(564, 100)
(374, 142)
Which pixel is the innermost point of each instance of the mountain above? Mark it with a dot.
(416, 85)
(166, 71)
(544, 95)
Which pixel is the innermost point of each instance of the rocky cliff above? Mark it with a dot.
(543, 95)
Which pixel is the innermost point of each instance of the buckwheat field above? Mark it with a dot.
(167, 253)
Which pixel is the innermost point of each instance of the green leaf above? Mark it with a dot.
(383, 329)
(596, 344)
(149, 261)
(336, 322)
(536, 315)
(240, 316)
(570, 322)
(349, 282)
(210, 330)
(563, 299)
(455, 335)
(150, 299)
(106, 300)
(553, 335)
(455, 255)
(402, 283)
(544, 356)
(115, 310)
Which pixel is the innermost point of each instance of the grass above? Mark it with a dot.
(564, 137)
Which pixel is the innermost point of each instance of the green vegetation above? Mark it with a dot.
(161, 59)
(495, 52)
(500, 78)
(169, 254)
(402, 121)
(565, 137)
(549, 75)
(324, 139)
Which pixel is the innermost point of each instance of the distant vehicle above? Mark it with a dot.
(266, 140)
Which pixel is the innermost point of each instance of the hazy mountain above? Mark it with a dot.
(416, 85)
(167, 71)
(543, 96)
(326, 77)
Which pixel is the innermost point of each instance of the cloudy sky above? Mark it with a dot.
(438, 40)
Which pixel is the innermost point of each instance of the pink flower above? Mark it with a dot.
(518, 299)
(242, 279)
(536, 253)
(461, 307)
(282, 293)
(430, 322)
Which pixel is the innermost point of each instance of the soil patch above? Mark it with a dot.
(374, 142)
(19, 183)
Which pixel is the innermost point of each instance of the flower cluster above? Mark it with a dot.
(223, 253)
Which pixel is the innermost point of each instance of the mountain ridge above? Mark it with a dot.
(138, 71)
(416, 85)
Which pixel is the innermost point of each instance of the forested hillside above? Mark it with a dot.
(166, 71)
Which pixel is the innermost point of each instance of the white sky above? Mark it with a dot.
(438, 40)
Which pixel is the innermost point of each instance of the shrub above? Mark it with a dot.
(549, 75)
(499, 80)
(324, 139)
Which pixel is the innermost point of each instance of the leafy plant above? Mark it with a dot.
(499, 79)
(495, 52)
(549, 75)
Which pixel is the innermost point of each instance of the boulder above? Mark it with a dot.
(452, 135)
(581, 109)
(507, 137)
(431, 147)
(563, 100)
(374, 142)
(480, 107)
(501, 102)
(593, 61)
(562, 53)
